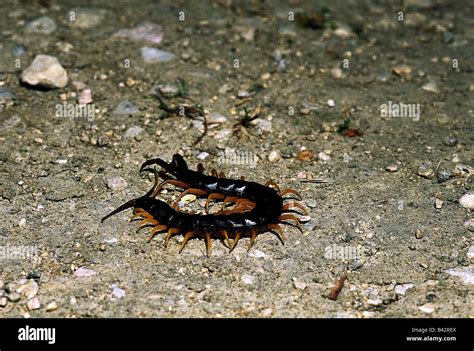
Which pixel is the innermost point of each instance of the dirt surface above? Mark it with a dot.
(320, 81)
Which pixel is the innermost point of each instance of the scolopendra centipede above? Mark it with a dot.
(258, 208)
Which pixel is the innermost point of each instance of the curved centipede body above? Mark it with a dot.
(257, 208)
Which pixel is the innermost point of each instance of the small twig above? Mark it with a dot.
(313, 181)
(334, 293)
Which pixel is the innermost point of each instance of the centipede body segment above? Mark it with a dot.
(256, 208)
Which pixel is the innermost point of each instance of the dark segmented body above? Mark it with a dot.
(264, 216)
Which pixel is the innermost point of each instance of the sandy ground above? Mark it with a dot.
(400, 234)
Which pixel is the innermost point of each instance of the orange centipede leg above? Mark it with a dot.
(234, 243)
(213, 196)
(226, 236)
(229, 200)
(222, 175)
(213, 172)
(208, 244)
(253, 236)
(291, 205)
(187, 236)
(275, 228)
(156, 229)
(200, 168)
(290, 191)
(272, 184)
(289, 217)
(170, 233)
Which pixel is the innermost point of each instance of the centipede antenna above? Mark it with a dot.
(157, 161)
(126, 205)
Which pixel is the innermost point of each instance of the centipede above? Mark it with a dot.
(247, 208)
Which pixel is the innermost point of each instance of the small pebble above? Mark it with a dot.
(418, 234)
(450, 141)
(336, 73)
(375, 302)
(146, 31)
(29, 290)
(103, 140)
(465, 273)
(248, 279)
(52, 306)
(215, 118)
(14, 297)
(401, 289)
(3, 301)
(470, 252)
(331, 103)
(323, 156)
(116, 184)
(125, 107)
(133, 132)
(202, 155)
(84, 272)
(438, 203)
(463, 170)
(426, 170)
(257, 254)
(443, 176)
(45, 71)
(392, 168)
(274, 156)
(427, 308)
(41, 25)
(85, 17)
(469, 224)
(304, 155)
(298, 284)
(467, 201)
(85, 97)
(189, 198)
(154, 55)
(22, 223)
(33, 304)
(431, 87)
(118, 292)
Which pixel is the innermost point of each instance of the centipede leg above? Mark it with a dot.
(226, 236)
(275, 228)
(156, 229)
(200, 168)
(253, 236)
(208, 243)
(170, 233)
(222, 175)
(145, 222)
(187, 236)
(213, 196)
(272, 184)
(234, 243)
(228, 200)
(156, 190)
(289, 217)
(213, 172)
(290, 191)
(291, 205)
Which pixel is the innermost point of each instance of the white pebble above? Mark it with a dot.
(427, 308)
(274, 156)
(331, 103)
(33, 304)
(45, 71)
(84, 272)
(323, 156)
(248, 279)
(470, 253)
(22, 223)
(118, 292)
(85, 97)
(298, 284)
(116, 183)
(465, 273)
(401, 289)
(52, 306)
(467, 201)
(202, 155)
(257, 254)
